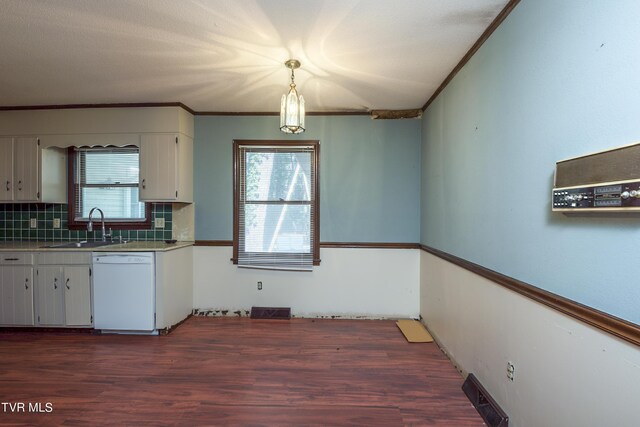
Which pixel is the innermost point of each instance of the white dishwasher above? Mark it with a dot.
(124, 291)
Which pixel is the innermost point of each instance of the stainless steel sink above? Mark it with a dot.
(81, 244)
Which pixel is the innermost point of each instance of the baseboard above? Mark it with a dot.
(246, 312)
(444, 350)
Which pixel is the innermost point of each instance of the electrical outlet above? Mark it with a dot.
(56, 222)
(259, 286)
(34, 223)
(511, 369)
(159, 223)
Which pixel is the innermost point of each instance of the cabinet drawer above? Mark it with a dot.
(16, 258)
(64, 258)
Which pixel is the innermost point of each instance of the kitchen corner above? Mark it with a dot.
(133, 169)
(78, 288)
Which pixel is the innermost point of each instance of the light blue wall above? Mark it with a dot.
(369, 175)
(558, 79)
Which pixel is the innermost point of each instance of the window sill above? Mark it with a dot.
(316, 262)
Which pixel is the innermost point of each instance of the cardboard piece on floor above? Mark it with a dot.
(414, 331)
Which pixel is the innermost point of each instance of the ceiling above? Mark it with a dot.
(228, 55)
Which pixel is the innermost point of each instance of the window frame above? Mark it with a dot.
(73, 224)
(315, 226)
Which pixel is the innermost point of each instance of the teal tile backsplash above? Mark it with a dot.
(15, 219)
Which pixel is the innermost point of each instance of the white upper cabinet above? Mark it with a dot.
(166, 168)
(30, 174)
(27, 161)
(34, 169)
(6, 169)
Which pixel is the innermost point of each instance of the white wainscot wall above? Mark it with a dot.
(372, 283)
(566, 372)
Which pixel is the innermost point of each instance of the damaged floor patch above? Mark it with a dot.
(414, 331)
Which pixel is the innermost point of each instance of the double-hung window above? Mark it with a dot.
(276, 209)
(107, 178)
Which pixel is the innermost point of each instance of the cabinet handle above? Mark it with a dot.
(20, 185)
(67, 284)
(144, 185)
(55, 283)
(11, 259)
(26, 283)
(8, 188)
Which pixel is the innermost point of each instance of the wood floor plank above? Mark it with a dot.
(234, 371)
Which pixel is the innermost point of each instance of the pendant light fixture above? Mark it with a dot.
(292, 105)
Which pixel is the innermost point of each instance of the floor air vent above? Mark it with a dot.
(492, 414)
(270, 313)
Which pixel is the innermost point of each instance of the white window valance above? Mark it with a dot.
(90, 140)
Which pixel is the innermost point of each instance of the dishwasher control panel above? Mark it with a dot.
(110, 259)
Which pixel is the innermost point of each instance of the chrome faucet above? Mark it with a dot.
(90, 223)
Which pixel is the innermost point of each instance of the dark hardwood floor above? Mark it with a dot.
(233, 371)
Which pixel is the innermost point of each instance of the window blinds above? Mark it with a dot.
(108, 178)
(276, 207)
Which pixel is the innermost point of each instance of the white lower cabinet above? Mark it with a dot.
(55, 289)
(50, 296)
(16, 295)
(63, 296)
(77, 299)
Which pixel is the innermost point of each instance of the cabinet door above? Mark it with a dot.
(6, 296)
(26, 176)
(23, 290)
(16, 291)
(50, 296)
(158, 167)
(77, 301)
(6, 169)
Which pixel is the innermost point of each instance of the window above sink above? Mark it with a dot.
(108, 178)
